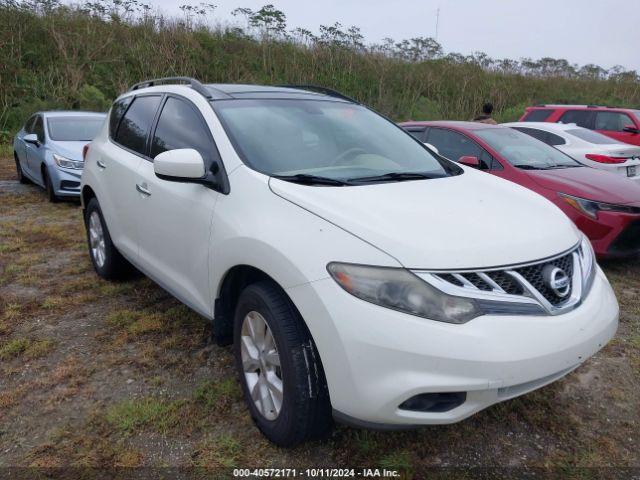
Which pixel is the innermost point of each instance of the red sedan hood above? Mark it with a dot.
(589, 183)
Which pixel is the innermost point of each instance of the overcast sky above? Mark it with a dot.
(605, 32)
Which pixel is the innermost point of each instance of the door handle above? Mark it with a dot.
(142, 188)
(101, 164)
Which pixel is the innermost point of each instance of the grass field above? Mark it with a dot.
(101, 374)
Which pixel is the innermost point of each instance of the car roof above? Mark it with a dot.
(71, 113)
(576, 107)
(450, 123)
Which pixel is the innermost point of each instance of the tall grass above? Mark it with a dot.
(83, 56)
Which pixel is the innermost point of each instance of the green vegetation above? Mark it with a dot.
(155, 413)
(82, 56)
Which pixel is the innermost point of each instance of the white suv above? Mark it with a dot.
(358, 275)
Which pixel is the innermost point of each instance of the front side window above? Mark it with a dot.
(591, 136)
(181, 126)
(38, 128)
(336, 140)
(134, 127)
(537, 115)
(613, 121)
(74, 129)
(455, 145)
(523, 151)
(581, 118)
(28, 126)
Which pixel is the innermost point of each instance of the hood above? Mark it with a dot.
(589, 183)
(473, 220)
(70, 150)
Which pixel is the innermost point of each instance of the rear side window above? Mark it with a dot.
(537, 115)
(581, 118)
(117, 111)
(134, 127)
(613, 121)
(546, 137)
(181, 126)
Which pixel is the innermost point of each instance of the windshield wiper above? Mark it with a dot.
(524, 166)
(306, 179)
(393, 177)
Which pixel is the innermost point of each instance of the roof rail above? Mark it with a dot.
(327, 91)
(209, 93)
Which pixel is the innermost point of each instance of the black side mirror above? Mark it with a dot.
(631, 129)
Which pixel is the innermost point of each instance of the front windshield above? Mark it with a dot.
(335, 140)
(74, 129)
(523, 151)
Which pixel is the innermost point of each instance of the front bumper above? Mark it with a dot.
(613, 234)
(376, 358)
(66, 182)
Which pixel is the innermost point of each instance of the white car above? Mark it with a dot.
(358, 275)
(586, 146)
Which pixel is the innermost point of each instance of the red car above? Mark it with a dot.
(622, 124)
(606, 207)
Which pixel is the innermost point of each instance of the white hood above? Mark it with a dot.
(473, 220)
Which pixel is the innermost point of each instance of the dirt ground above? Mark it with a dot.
(95, 374)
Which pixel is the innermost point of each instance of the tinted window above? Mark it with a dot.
(523, 151)
(546, 137)
(77, 129)
(537, 115)
(134, 127)
(612, 121)
(637, 114)
(117, 111)
(38, 128)
(325, 138)
(454, 145)
(181, 126)
(581, 118)
(591, 136)
(417, 134)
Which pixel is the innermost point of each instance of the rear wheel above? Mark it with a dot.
(48, 186)
(107, 261)
(280, 369)
(20, 173)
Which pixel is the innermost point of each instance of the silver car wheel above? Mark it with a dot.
(96, 239)
(261, 365)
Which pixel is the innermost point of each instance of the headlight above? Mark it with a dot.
(587, 264)
(67, 163)
(591, 208)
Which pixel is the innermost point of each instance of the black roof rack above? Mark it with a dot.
(327, 91)
(210, 93)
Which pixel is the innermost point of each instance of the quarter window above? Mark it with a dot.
(537, 115)
(181, 126)
(134, 127)
(117, 111)
(612, 121)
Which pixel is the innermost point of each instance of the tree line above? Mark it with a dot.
(83, 55)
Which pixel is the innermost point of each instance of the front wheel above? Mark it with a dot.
(280, 369)
(48, 186)
(21, 177)
(107, 261)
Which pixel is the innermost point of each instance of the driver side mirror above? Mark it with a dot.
(32, 138)
(470, 161)
(186, 165)
(631, 129)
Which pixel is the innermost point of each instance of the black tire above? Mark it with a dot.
(114, 266)
(48, 186)
(306, 409)
(21, 177)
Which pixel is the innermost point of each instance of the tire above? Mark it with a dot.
(305, 409)
(48, 186)
(107, 261)
(21, 177)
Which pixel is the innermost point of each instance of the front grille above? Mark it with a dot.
(533, 275)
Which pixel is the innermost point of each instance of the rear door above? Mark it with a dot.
(129, 128)
(612, 125)
(175, 218)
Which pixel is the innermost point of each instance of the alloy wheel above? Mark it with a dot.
(261, 365)
(96, 239)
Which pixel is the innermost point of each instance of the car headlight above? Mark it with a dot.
(67, 162)
(591, 208)
(588, 266)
